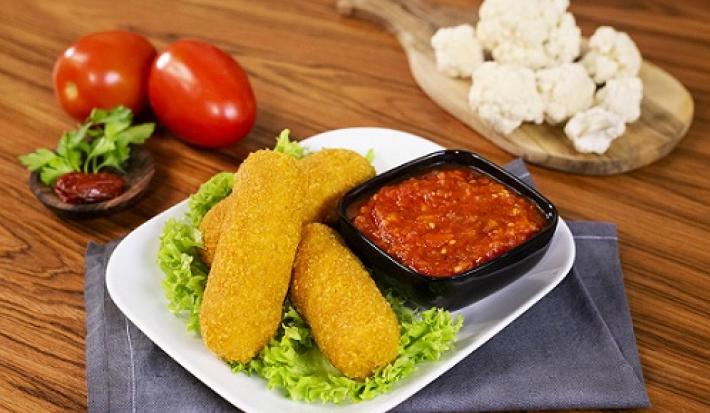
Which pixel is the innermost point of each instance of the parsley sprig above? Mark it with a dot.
(102, 142)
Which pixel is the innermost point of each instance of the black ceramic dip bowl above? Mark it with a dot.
(463, 284)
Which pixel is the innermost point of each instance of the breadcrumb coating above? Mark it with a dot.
(251, 270)
(211, 228)
(352, 323)
(330, 173)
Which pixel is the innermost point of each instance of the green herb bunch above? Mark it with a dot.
(103, 141)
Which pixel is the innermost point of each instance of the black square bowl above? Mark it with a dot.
(461, 289)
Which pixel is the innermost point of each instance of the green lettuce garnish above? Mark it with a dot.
(370, 155)
(292, 362)
(285, 145)
(185, 273)
(178, 256)
(210, 193)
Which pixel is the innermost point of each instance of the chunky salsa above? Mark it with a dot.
(447, 221)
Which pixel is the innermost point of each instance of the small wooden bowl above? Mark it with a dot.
(139, 172)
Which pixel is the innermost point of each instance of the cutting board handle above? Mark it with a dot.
(403, 18)
(392, 14)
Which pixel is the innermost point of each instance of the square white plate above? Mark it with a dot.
(133, 281)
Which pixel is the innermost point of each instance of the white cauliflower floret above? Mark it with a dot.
(622, 96)
(457, 50)
(565, 90)
(505, 96)
(593, 130)
(532, 33)
(611, 54)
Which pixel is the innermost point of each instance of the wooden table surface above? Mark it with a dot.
(312, 71)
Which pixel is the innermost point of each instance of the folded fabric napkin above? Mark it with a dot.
(574, 349)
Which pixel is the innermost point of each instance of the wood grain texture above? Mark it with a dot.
(313, 70)
(666, 109)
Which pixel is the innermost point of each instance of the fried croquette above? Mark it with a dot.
(330, 173)
(352, 323)
(249, 278)
(211, 227)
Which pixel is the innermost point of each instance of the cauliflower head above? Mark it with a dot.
(593, 130)
(531, 33)
(457, 50)
(505, 96)
(622, 96)
(611, 54)
(565, 90)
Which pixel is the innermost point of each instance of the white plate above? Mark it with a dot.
(133, 281)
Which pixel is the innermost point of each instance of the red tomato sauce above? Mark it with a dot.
(81, 188)
(447, 221)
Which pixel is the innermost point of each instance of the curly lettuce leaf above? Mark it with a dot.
(179, 252)
(185, 273)
(292, 362)
(285, 145)
(210, 193)
(370, 155)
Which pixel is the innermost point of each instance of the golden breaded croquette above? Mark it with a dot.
(352, 323)
(330, 173)
(211, 227)
(242, 303)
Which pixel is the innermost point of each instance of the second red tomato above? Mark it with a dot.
(201, 94)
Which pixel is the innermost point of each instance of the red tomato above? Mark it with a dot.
(201, 94)
(103, 70)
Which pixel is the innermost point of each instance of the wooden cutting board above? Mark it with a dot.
(666, 110)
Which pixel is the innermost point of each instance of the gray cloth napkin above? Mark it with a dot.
(574, 349)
